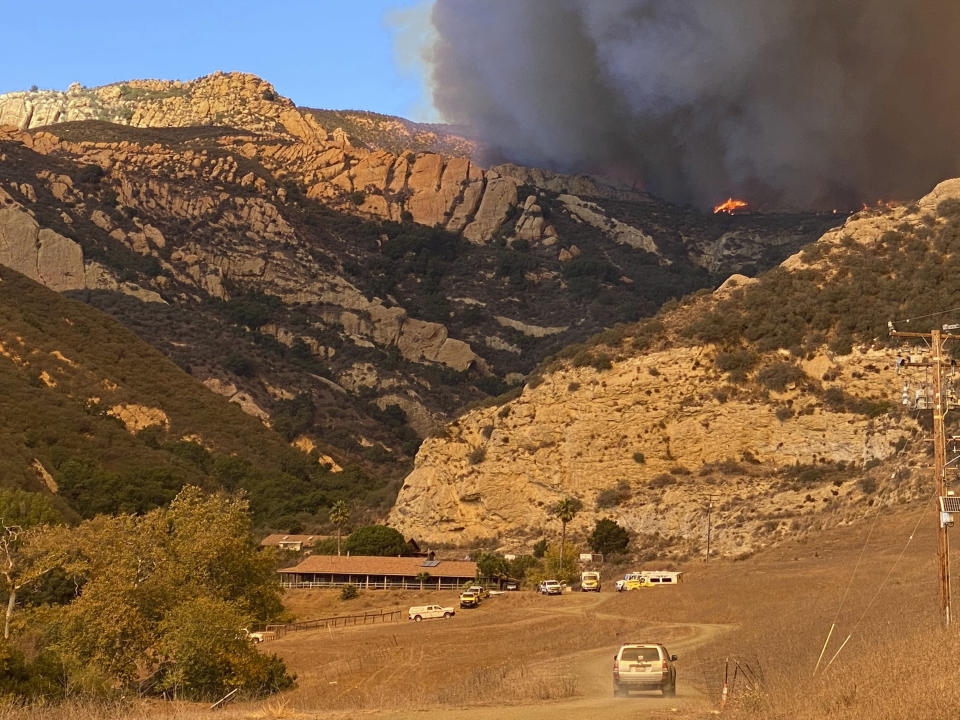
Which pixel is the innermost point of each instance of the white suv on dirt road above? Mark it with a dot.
(644, 666)
(424, 612)
(551, 587)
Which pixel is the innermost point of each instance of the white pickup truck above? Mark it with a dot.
(424, 612)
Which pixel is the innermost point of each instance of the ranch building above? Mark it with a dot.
(372, 572)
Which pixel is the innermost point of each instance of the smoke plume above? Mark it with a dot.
(789, 103)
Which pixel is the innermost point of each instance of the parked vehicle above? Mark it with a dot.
(469, 599)
(589, 581)
(260, 635)
(511, 585)
(425, 612)
(649, 578)
(551, 587)
(644, 666)
(481, 591)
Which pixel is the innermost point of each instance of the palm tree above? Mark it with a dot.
(339, 516)
(565, 510)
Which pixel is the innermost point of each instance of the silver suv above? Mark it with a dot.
(644, 666)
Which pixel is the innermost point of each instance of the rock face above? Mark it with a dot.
(294, 253)
(492, 479)
(40, 254)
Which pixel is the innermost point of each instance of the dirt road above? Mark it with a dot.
(508, 632)
(597, 700)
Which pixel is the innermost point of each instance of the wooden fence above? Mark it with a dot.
(367, 618)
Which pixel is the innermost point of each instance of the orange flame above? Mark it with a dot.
(729, 206)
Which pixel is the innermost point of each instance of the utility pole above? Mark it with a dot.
(709, 508)
(937, 340)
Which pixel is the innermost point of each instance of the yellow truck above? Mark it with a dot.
(589, 581)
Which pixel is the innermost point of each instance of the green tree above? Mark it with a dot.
(376, 540)
(144, 575)
(565, 563)
(19, 507)
(608, 538)
(204, 656)
(492, 565)
(339, 516)
(565, 511)
(24, 559)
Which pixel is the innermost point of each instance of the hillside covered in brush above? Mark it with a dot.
(776, 399)
(100, 422)
(354, 280)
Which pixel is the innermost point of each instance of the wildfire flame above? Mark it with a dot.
(729, 206)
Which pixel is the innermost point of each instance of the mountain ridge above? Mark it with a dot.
(354, 296)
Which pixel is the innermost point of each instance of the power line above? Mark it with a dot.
(928, 315)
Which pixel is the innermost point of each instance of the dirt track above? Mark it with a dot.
(523, 617)
(597, 701)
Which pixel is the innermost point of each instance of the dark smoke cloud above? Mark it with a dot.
(791, 103)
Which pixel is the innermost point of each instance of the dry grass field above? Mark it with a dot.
(526, 656)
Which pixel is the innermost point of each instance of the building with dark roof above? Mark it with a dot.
(373, 572)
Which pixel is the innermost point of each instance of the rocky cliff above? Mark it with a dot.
(774, 400)
(330, 282)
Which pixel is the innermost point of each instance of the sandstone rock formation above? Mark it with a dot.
(579, 433)
(647, 440)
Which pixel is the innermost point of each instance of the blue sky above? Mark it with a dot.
(321, 53)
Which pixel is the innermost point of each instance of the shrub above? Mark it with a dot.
(784, 413)
(349, 592)
(639, 458)
(204, 656)
(89, 174)
(612, 497)
(949, 208)
(477, 455)
(539, 548)
(737, 362)
(663, 480)
(868, 484)
(608, 538)
(294, 416)
(841, 344)
(601, 362)
(780, 375)
(239, 365)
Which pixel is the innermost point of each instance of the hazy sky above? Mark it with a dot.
(359, 54)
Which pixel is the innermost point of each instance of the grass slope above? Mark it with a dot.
(66, 365)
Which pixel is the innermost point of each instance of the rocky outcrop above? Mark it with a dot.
(617, 231)
(54, 260)
(582, 185)
(434, 189)
(138, 417)
(39, 253)
(532, 226)
(493, 477)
